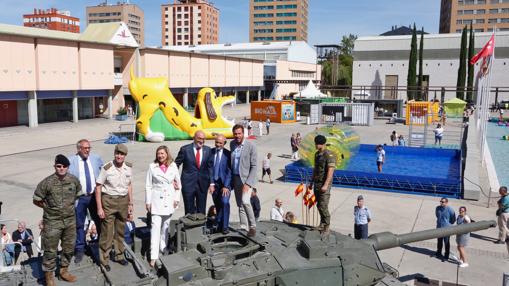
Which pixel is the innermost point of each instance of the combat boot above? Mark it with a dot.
(50, 280)
(319, 228)
(66, 276)
(325, 231)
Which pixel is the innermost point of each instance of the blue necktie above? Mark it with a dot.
(87, 177)
(216, 166)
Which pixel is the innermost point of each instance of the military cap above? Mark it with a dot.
(62, 160)
(320, 139)
(121, 148)
(360, 198)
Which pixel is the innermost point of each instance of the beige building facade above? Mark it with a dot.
(189, 22)
(53, 76)
(484, 15)
(130, 14)
(278, 20)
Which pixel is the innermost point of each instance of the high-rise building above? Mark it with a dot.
(52, 19)
(189, 22)
(130, 14)
(484, 15)
(278, 20)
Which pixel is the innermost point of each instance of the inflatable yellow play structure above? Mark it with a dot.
(163, 118)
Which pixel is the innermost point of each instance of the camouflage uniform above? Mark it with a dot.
(59, 218)
(323, 160)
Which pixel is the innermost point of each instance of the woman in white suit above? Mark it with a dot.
(162, 198)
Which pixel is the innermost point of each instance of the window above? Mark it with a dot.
(479, 21)
(268, 7)
(459, 22)
(263, 23)
(289, 14)
(459, 12)
(504, 10)
(292, 6)
(504, 20)
(491, 21)
(288, 30)
(264, 38)
(468, 12)
(286, 38)
(481, 2)
(257, 31)
(478, 30)
(467, 21)
(291, 22)
(264, 15)
(481, 11)
(493, 11)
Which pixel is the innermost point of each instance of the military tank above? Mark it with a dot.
(280, 254)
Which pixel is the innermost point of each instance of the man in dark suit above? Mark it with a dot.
(220, 178)
(195, 174)
(24, 236)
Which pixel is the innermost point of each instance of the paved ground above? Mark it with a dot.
(34, 149)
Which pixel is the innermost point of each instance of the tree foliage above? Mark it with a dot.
(412, 64)
(421, 76)
(344, 64)
(470, 77)
(462, 69)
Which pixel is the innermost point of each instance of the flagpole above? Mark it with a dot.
(487, 99)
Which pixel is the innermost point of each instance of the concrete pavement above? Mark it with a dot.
(35, 150)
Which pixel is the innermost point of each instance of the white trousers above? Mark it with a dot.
(158, 234)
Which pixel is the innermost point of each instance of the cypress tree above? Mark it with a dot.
(421, 48)
(462, 69)
(470, 78)
(412, 65)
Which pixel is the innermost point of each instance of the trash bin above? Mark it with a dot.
(308, 120)
(297, 116)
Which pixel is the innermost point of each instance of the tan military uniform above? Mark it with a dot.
(115, 201)
(323, 160)
(59, 218)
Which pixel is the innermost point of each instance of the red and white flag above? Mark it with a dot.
(485, 52)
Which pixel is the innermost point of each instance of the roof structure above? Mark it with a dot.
(310, 91)
(400, 31)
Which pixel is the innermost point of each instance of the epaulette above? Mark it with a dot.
(107, 166)
(129, 164)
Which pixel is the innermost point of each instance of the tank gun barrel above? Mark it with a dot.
(385, 240)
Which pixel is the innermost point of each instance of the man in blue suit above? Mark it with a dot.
(195, 174)
(220, 178)
(86, 167)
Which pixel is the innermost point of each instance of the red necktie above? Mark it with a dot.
(198, 158)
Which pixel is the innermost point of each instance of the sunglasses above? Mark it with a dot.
(59, 166)
(443, 202)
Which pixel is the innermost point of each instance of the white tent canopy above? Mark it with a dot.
(311, 91)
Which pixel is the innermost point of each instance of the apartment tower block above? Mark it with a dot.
(52, 19)
(484, 15)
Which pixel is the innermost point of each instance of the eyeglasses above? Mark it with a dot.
(442, 202)
(59, 166)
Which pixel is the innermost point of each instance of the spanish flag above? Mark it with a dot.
(299, 189)
(311, 201)
(306, 197)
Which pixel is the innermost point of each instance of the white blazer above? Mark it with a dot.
(159, 189)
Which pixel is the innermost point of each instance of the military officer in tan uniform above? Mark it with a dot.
(57, 195)
(114, 202)
(323, 172)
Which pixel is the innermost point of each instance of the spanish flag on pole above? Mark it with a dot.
(299, 189)
(306, 196)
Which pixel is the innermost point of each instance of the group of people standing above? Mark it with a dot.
(83, 188)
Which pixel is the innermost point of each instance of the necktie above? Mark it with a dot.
(198, 158)
(216, 166)
(87, 177)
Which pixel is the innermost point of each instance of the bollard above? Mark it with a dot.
(505, 279)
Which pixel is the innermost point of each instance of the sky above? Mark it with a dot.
(329, 20)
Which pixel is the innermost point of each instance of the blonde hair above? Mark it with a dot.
(169, 158)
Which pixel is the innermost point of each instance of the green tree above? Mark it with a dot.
(470, 78)
(337, 69)
(347, 44)
(462, 69)
(421, 76)
(412, 64)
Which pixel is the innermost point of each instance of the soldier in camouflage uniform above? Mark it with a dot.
(325, 163)
(57, 195)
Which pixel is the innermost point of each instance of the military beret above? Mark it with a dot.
(121, 148)
(320, 139)
(62, 160)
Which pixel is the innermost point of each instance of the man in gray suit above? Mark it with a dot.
(243, 162)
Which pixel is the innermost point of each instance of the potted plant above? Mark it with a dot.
(121, 114)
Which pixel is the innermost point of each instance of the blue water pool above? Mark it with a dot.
(429, 171)
(499, 150)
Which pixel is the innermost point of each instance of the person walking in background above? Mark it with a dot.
(266, 167)
(162, 197)
(298, 140)
(195, 174)
(439, 133)
(24, 236)
(85, 166)
(401, 141)
(277, 213)
(462, 239)
(220, 181)
(445, 217)
(249, 127)
(503, 215)
(323, 171)
(255, 203)
(293, 146)
(244, 163)
(57, 195)
(394, 138)
(380, 157)
(362, 217)
(267, 125)
(260, 128)
(114, 198)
